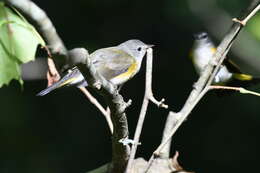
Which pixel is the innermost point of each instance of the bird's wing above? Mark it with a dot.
(111, 62)
(231, 66)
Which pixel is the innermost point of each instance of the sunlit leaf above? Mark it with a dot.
(18, 44)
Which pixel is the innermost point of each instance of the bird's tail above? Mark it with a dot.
(246, 80)
(72, 78)
(49, 89)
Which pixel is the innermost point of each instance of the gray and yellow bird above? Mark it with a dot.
(229, 73)
(116, 64)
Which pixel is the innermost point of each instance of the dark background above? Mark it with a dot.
(63, 133)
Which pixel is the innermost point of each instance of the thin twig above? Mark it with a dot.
(245, 20)
(148, 81)
(239, 89)
(52, 75)
(148, 78)
(251, 15)
(94, 101)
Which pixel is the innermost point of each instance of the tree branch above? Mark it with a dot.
(171, 121)
(206, 78)
(147, 97)
(239, 89)
(217, 20)
(116, 103)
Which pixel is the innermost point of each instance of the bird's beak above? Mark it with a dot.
(150, 45)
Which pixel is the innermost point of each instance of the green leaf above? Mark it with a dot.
(18, 44)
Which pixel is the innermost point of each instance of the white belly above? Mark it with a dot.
(201, 59)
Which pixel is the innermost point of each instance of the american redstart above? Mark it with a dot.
(116, 64)
(229, 73)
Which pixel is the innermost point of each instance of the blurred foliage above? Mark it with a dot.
(19, 41)
(254, 25)
(231, 6)
(63, 133)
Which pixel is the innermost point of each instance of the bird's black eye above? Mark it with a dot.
(139, 48)
(204, 35)
(201, 35)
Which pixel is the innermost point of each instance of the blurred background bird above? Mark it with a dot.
(229, 73)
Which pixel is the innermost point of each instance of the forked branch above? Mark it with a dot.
(148, 96)
(201, 87)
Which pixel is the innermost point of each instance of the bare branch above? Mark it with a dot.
(176, 167)
(171, 121)
(148, 96)
(52, 74)
(148, 78)
(239, 89)
(206, 78)
(175, 162)
(138, 130)
(251, 14)
(115, 102)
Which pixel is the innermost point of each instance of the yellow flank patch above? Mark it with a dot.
(243, 77)
(131, 70)
(213, 49)
(67, 81)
